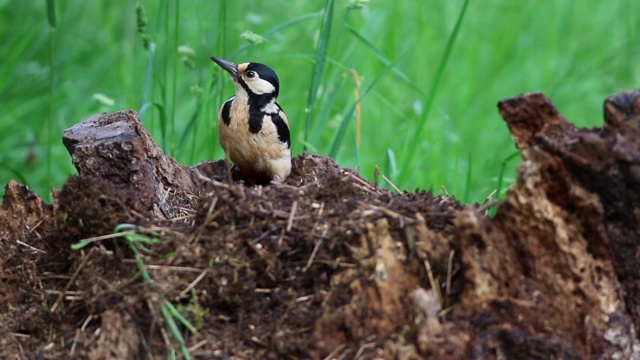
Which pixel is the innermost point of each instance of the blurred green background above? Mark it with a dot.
(425, 76)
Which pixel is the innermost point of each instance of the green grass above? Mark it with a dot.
(428, 94)
(139, 239)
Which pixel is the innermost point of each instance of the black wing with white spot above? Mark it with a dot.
(280, 121)
(225, 112)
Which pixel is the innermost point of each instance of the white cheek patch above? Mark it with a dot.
(259, 86)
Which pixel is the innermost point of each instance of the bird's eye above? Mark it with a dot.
(250, 74)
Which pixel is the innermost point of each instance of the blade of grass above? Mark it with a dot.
(275, 30)
(122, 230)
(51, 13)
(84, 242)
(167, 309)
(324, 113)
(337, 141)
(421, 160)
(384, 59)
(503, 166)
(147, 81)
(467, 187)
(196, 117)
(174, 90)
(318, 68)
(163, 120)
(221, 49)
(161, 69)
(391, 168)
(456, 179)
(51, 16)
(431, 94)
(358, 134)
(191, 129)
(135, 240)
(164, 308)
(176, 314)
(175, 331)
(356, 80)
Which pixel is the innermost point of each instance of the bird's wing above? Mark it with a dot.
(282, 126)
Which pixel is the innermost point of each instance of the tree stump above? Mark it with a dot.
(328, 265)
(116, 147)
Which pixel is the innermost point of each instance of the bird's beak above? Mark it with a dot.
(230, 67)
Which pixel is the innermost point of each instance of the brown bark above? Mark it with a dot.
(117, 148)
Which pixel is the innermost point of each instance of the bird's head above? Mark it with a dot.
(254, 78)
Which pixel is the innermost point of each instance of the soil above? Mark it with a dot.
(139, 257)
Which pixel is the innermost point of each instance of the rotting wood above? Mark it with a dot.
(329, 265)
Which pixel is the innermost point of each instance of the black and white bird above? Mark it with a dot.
(253, 129)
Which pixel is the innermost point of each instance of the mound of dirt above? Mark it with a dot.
(140, 257)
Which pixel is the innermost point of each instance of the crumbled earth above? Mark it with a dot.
(139, 257)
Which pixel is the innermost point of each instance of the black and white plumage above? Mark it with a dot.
(252, 128)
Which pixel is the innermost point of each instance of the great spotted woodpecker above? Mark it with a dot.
(253, 129)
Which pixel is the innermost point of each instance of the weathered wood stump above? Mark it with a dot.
(116, 147)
